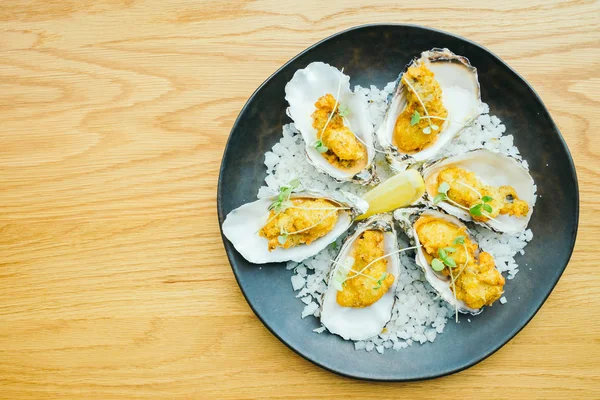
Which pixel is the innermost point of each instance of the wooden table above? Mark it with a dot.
(114, 115)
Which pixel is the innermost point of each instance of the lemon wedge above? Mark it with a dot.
(400, 190)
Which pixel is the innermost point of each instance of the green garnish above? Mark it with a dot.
(416, 117)
(437, 265)
(341, 272)
(476, 210)
(442, 193)
(282, 239)
(343, 111)
(449, 261)
(439, 198)
(443, 259)
(459, 240)
(380, 281)
(283, 198)
(320, 147)
(443, 188)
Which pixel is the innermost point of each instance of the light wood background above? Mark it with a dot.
(113, 119)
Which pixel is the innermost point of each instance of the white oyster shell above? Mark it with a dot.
(241, 227)
(362, 323)
(492, 169)
(460, 95)
(303, 91)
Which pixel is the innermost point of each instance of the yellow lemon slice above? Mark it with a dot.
(400, 190)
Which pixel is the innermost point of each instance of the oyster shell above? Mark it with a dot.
(362, 323)
(492, 169)
(460, 96)
(303, 91)
(241, 227)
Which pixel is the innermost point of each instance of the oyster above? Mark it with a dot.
(246, 227)
(462, 274)
(334, 123)
(435, 98)
(359, 309)
(507, 188)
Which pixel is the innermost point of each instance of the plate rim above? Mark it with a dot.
(229, 247)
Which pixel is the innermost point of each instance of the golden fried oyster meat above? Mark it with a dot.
(477, 282)
(410, 138)
(305, 221)
(344, 150)
(366, 288)
(435, 234)
(467, 190)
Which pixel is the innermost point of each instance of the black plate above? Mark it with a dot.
(375, 54)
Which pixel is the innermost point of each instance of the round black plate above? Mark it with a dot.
(375, 54)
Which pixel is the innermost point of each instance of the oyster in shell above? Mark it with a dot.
(245, 226)
(462, 274)
(435, 98)
(334, 123)
(505, 185)
(358, 306)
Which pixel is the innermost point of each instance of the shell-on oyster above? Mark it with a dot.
(243, 226)
(334, 123)
(451, 260)
(483, 175)
(364, 319)
(435, 98)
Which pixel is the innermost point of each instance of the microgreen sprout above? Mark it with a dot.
(283, 198)
(380, 281)
(442, 193)
(340, 273)
(415, 118)
(320, 147)
(459, 240)
(454, 292)
(343, 110)
(437, 265)
(445, 260)
(481, 208)
(476, 210)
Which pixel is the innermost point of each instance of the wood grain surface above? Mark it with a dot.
(114, 115)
